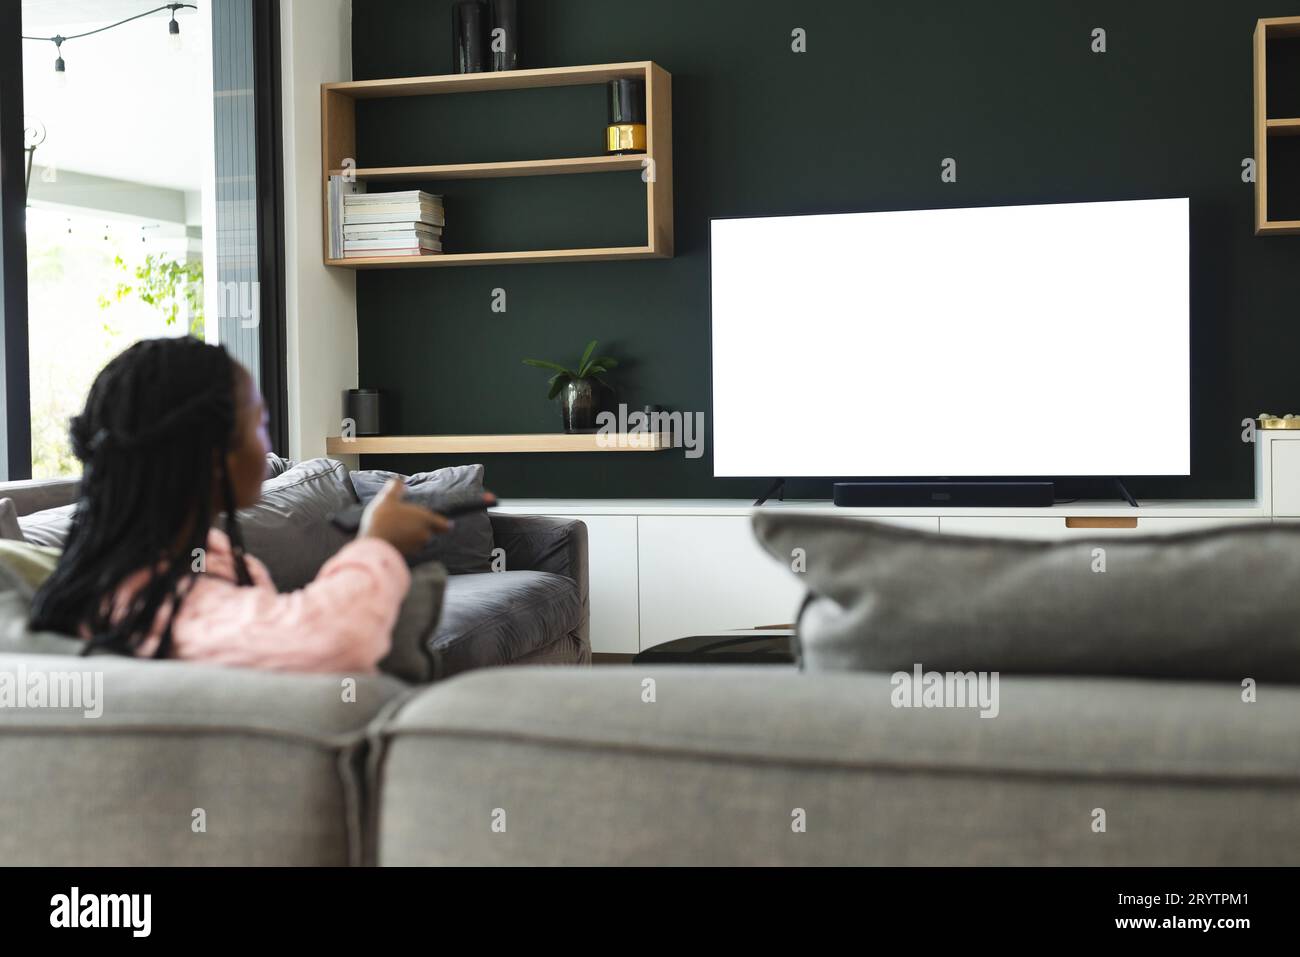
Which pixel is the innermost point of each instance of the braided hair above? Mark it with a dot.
(152, 439)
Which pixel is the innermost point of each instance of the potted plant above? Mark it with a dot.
(579, 389)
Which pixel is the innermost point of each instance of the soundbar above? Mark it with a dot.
(949, 494)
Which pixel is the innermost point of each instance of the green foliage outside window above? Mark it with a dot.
(174, 288)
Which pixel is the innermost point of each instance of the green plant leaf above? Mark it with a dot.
(543, 364)
(586, 359)
(608, 362)
(558, 382)
(164, 284)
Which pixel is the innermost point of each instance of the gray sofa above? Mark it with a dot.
(196, 764)
(549, 766)
(715, 770)
(191, 764)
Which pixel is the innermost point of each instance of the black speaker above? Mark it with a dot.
(952, 494)
(363, 406)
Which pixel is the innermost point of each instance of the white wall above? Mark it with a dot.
(316, 36)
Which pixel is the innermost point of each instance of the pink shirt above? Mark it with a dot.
(341, 622)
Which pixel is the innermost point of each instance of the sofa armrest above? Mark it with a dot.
(274, 761)
(37, 495)
(541, 544)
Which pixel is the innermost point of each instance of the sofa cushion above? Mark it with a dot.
(1188, 774)
(49, 527)
(410, 658)
(276, 465)
(32, 563)
(467, 547)
(1216, 604)
(16, 590)
(10, 530)
(494, 618)
(289, 529)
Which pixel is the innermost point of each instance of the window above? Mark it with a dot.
(152, 187)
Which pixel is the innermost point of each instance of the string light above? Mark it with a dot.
(173, 35)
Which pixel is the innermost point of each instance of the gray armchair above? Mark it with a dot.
(554, 545)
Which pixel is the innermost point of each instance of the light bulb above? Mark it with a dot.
(174, 36)
(60, 75)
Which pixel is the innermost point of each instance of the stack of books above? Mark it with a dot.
(392, 224)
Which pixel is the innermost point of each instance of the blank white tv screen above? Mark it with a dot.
(1006, 341)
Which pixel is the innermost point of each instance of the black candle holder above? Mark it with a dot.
(626, 130)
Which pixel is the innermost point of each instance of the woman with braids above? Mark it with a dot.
(173, 436)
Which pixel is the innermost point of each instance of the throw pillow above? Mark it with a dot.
(1216, 604)
(32, 563)
(289, 529)
(49, 527)
(15, 606)
(10, 530)
(466, 548)
(276, 465)
(410, 658)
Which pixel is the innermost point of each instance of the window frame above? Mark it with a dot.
(15, 375)
(15, 391)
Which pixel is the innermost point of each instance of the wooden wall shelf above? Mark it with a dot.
(594, 254)
(476, 444)
(551, 167)
(338, 144)
(1266, 32)
(1283, 127)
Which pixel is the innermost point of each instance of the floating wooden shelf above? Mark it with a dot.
(1281, 227)
(1267, 31)
(1283, 127)
(486, 259)
(338, 146)
(474, 444)
(483, 82)
(551, 167)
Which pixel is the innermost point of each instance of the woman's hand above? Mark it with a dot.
(406, 527)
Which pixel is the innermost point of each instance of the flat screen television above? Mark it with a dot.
(998, 342)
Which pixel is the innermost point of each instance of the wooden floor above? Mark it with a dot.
(610, 659)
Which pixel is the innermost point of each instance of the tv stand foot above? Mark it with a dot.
(1124, 493)
(777, 488)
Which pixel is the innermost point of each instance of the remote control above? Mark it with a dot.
(450, 506)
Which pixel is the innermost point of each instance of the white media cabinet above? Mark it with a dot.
(666, 568)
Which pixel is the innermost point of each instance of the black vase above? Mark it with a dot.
(580, 401)
(469, 33)
(505, 17)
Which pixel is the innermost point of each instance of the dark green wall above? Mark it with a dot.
(859, 122)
